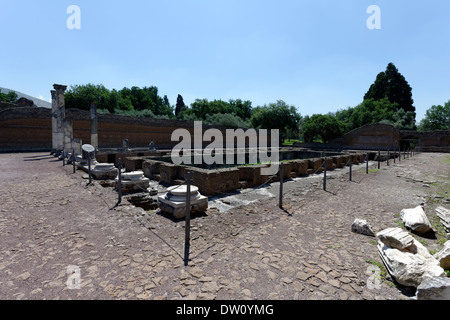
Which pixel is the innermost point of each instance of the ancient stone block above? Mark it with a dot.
(434, 288)
(409, 268)
(396, 238)
(443, 256)
(416, 220)
(316, 165)
(133, 182)
(103, 171)
(444, 216)
(151, 168)
(174, 201)
(168, 172)
(363, 227)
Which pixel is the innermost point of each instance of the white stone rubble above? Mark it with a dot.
(416, 220)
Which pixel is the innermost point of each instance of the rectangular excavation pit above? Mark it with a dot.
(220, 179)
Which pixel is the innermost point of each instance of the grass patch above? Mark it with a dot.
(383, 272)
(290, 142)
(379, 265)
(439, 227)
(400, 224)
(422, 241)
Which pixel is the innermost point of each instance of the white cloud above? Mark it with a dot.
(42, 98)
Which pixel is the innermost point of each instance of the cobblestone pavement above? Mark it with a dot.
(53, 224)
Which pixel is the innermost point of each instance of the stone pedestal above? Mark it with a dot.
(174, 201)
(133, 182)
(105, 171)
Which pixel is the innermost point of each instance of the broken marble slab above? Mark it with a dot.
(395, 238)
(416, 220)
(444, 216)
(443, 256)
(362, 227)
(434, 288)
(409, 267)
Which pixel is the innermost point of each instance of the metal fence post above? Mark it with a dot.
(119, 181)
(350, 172)
(187, 241)
(73, 160)
(281, 186)
(379, 157)
(325, 174)
(89, 168)
(367, 163)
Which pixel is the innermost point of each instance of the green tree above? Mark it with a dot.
(228, 120)
(277, 115)
(436, 118)
(242, 109)
(374, 111)
(10, 97)
(166, 101)
(202, 107)
(403, 120)
(327, 127)
(81, 97)
(180, 107)
(393, 85)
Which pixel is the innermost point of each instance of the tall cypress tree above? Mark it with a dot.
(393, 85)
(180, 106)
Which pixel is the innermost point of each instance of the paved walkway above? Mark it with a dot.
(56, 230)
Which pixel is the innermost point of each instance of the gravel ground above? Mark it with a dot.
(52, 223)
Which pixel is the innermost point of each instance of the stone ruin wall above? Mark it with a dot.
(379, 136)
(387, 137)
(431, 141)
(30, 129)
(25, 129)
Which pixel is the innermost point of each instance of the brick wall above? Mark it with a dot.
(30, 129)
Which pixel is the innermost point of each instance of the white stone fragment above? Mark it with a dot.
(395, 238)
(416, 220)
(362, 227)
(435, 288)
(410, 267)
(443, 256)
(444, 215)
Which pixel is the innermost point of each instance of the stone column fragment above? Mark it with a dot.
(94, 128)
(60, 114)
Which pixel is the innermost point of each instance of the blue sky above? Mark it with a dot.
(317, 55)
